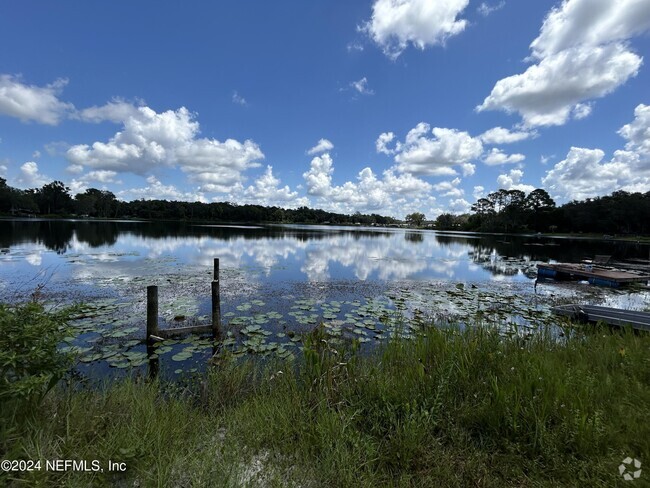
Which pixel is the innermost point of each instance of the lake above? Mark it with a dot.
(280, 281)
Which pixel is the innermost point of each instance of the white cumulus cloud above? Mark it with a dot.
(591, 23)
(75, 169)
(421, 154)
(496, 156)
(155, 190)
(101, 176)
(449, 188)
(512, 181)
(547, 92)
(637, 132)
(499, 135)
(116, 111)
(395, 24)
(319, 176)
(322, 146)
(585, 173)
(150, 140)
(389, 194)
(459, 206)
(382, 142)
(33, 103)
(582, 53)
(266, 190)
(31, 177)
(582, 110)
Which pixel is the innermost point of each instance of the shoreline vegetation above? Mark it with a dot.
(502, 211)
(452, 407)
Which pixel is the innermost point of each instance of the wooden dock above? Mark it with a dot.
(611, 316)
(595, 275)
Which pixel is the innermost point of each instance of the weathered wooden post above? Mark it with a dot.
(216, 302)
(152, 311)
(152, 330)
(216, 310)
(154, 365)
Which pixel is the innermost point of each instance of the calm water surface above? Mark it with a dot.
(287, 277)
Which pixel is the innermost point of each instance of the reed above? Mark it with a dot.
(451, 408)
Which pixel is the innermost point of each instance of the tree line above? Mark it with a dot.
(515, 211)
(54, 199)
(500, 211)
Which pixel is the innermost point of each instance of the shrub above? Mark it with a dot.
(30, 361)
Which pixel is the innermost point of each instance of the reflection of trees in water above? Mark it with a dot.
(14, 232)
(489, 259)
(541, 248)
(411, 236)
(57, 234)
(447, 240)
(97, 235)
(158, 230)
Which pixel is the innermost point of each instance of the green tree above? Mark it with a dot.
(445, 222)
(84, 204)
(513, 209)
(54, 198)
(539, 207)
(5, 196)
(415, 219)
(483, 207)
(538, 200)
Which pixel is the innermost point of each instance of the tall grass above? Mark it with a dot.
(450, 408)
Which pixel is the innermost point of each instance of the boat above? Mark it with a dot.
(611, 316)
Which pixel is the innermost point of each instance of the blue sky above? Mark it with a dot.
(386, 106)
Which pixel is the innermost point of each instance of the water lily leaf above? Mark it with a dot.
(116, 334)
(108, 354)
(90, 358)
(135, 355)
(181, 356)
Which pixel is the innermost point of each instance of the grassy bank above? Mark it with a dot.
(451, 408)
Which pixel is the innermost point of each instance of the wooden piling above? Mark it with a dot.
(152, 311)
(216, 269)
(154, 362)
(216, 309)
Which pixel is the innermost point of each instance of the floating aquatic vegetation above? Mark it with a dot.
(110, 330)
(181, 306)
